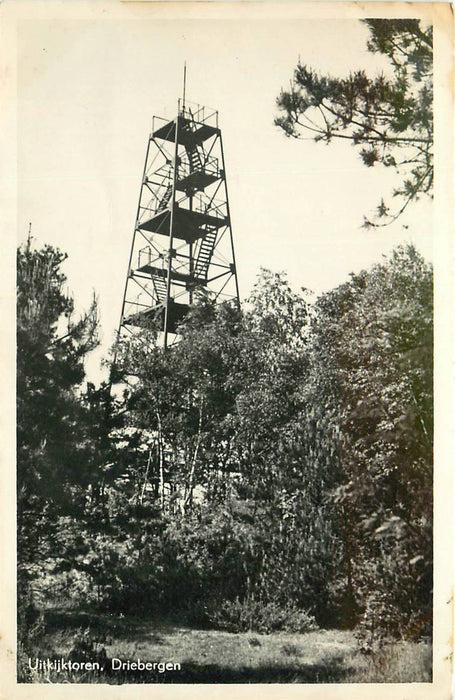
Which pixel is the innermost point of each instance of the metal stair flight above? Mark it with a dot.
(205, 253)
(194, 159)
(160, 286)
(165, 199)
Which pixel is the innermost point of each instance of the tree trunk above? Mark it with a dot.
(190, 484)
(160, 461)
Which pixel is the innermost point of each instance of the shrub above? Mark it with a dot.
(87, 646)
(30, 627)
(252, 615)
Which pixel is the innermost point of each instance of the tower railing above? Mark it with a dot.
(208, 166)
(198, 113)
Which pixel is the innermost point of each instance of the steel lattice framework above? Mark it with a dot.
(182, 239)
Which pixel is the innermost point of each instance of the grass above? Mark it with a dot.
(211, 656)
(401, 662)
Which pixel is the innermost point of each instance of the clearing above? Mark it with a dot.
(213, 656)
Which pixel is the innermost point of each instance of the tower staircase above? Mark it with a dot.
(160, 284)
(204, 256)
(194, 159)
(165, 199)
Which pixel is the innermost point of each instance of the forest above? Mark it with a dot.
(269, 473)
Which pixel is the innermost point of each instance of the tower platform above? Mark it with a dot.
(162, 273)
(190, 133)
(198, 180)
(156, 315)
(188, 225)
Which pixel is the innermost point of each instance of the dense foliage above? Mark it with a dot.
(388, 117)
(272, 470)
(373, 344)
(52, 448)
(54, 457)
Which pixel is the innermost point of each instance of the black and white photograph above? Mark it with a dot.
(229, 373)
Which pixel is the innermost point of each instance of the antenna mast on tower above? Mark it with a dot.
(184, 85)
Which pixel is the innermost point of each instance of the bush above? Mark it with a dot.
(383, 620)
(87, 646)
(30, 626)
(252, 615)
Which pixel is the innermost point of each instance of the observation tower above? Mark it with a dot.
(182, 239)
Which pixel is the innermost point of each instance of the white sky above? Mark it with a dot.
(87, 92)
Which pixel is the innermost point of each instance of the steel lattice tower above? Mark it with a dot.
(182, 239)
